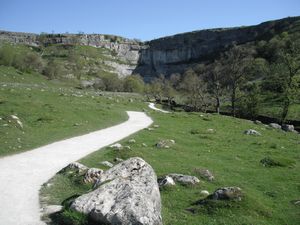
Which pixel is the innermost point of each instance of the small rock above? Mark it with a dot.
(165, 143)
(275, 125)
(252, 132)
(258, 122)
(205, 173)
(118, 160)
(166, 181)
(117, 146)
(210, 130)
(144, 145)
(204, 193)
(296, 202)
(50, 209)
(156, 126)
(92, 175)
(78, 167)
(127, 147)
(227, 193)
(288, 127)
(184, 179)
(150, 128)
(106, 163)
(131, 141)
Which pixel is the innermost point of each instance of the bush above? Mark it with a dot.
(134, 83)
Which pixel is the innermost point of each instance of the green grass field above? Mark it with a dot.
(232, 156)
(53, 110)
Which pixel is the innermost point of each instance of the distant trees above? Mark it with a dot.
(53, 69)
(133, 83)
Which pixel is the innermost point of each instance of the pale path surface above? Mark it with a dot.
(152, 106)
(22, 175)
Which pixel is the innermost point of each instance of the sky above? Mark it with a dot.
(141, 19)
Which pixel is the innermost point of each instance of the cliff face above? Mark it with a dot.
(173, 54)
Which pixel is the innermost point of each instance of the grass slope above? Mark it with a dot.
(232, 156)
(52, 110)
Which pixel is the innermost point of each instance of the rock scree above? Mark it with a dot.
(127, 193)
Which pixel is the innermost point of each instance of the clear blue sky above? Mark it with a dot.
(143, 19)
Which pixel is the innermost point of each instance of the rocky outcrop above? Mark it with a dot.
(128, 193)
(167, 55)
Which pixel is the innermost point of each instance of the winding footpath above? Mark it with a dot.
(22, 175)
(152, 106)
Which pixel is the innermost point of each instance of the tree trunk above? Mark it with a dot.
(233, 101)
(218, 105)
(285, 110)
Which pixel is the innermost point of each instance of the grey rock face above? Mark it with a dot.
(227, 193)
(125, 194)
(184, 179)
(275, 125)
(252, 132)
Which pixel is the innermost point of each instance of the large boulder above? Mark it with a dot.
(128, 193)
(205, 173)
(92, 175)
(166, 181)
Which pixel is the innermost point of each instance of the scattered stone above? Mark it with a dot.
(14, 119)
(86, 84)
(78, 167)
(92, 175)
(156, 126)
(128, 193)
(204, 193)
(211, 131)
(50, 209)
(130, 100)
(106, 163)
(184, 179)
(150, 128)
(252, 132)
(227, 193)
(144, 145)
(258, 122)
(118, 160)
(127, 147)
(166, 181)
(296, 202)
(117, 146)
(275, 125)
(131, 141)
(76, 124)
(165, 143)
(288, 128)
(205, 173)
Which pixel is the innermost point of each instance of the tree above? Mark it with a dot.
(215, 82)
(287, 68)
(195, 90)
(53, 69)
(77, 63)
(134, 83)
(6, 55)
(236, 63)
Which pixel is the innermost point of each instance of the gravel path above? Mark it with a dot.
(152, 106)
(22, 175)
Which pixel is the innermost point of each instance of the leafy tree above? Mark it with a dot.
(134, 83)
(195, 90)
(77, 63)
(6, 55)
(53, 69)
(236, 63)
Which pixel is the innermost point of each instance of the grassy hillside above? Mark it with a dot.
(53, 110)
(232, 156)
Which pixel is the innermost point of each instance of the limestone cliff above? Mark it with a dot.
(173, 54)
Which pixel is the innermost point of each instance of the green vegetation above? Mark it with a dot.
(233, 157)
(53, 110)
